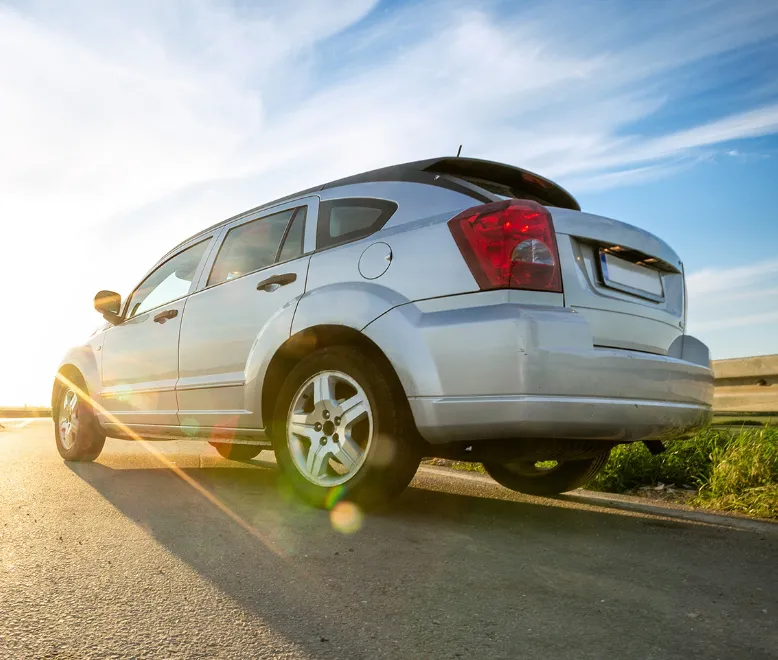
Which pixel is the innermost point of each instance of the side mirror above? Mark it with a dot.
(109, 304)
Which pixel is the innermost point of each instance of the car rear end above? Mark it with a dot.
(572, 326)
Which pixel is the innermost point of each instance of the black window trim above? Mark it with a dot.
(156, 267)
(223, 240)
(286, 234)
(388, 209)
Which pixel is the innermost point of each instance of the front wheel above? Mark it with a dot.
(76, 431)
(532, 478)
(341, 430)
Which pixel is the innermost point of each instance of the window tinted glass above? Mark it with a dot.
(293, 243)
(348, 219)
(171, 280)
(343, 220)
(250, 247)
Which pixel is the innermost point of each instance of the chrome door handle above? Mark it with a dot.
(162, 317)
(272, 283)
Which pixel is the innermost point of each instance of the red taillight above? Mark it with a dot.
(509, 244)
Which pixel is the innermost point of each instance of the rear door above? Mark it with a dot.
(258, 268)
(140, 355)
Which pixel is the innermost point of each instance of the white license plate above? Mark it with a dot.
(631, 278)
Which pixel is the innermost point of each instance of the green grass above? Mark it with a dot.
(733, 471)
(686, 462)
(744, 477)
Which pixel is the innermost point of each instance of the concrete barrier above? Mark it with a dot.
(18, 413)
(746, 385)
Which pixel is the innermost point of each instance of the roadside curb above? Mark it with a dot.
(627, 503)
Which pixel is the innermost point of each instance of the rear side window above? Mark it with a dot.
(250, 247)
(344, 220)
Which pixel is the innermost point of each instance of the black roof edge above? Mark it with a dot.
(468, 167)
(424, 171)
(504, 174)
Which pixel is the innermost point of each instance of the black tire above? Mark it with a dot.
(393, 455)
(523, 477)
(236, 452)
(89, 437)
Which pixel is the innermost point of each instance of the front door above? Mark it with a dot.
(140, 355)
(258, 269)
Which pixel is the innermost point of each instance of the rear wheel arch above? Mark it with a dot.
(305, 342)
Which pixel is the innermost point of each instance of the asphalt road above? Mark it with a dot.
(122, 558)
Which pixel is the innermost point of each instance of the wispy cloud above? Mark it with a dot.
(737, 321)
(715, 281)
(741, 299)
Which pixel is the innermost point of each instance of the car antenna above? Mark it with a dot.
(459, 151)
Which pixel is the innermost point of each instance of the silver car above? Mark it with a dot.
(452, 307)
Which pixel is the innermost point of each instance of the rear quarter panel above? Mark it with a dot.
(425, 261)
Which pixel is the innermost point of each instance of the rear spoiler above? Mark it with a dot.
(501, 179)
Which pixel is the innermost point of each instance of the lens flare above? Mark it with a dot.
(334, 496)
(149, 447)
(346, 517)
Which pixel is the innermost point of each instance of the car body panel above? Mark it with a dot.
(140, 368)
(219, 333)
(618, 319)
(531, 356)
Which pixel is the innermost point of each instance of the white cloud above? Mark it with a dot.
(713, 281)
(734, 309)
(125, 127)
(737, 321)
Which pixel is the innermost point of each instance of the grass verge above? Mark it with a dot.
(730, 470)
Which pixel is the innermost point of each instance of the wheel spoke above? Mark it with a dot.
(315, 461)
(352, 411)
(323, 389)
(349, 453)
(300, 426)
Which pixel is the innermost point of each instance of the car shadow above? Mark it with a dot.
(387, 575)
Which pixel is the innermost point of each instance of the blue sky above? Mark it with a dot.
(125, 127)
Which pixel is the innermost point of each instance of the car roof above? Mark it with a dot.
(429, 171)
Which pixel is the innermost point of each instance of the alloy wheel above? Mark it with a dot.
(68, 419)
(329, 428)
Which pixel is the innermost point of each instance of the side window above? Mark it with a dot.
(343, 220)
(250, 247)
(293, 242)
(170, 281)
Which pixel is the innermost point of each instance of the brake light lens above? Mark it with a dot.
(509, 244)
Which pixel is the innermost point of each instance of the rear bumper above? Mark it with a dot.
(487, 366)
(463, 419)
